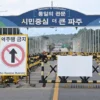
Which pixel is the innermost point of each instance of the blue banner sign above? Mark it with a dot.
(50, 17)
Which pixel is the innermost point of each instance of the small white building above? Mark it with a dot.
(64, 50)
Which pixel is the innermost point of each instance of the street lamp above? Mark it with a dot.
(4, 11)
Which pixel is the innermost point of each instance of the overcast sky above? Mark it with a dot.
(17, 7)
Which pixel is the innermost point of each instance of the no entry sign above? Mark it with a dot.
(13, 52)
(13, 55)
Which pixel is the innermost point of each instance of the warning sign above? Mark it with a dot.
(13, 55)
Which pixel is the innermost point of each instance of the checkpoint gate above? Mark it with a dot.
(55, 17)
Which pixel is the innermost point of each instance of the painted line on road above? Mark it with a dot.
(99, 73)
(56, 89)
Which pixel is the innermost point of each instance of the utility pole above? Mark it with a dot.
(52, 4)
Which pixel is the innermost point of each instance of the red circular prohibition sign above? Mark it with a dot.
(20, 61)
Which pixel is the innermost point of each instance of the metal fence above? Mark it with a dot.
(87, 40)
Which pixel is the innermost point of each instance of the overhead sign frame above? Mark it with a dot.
(50, 17)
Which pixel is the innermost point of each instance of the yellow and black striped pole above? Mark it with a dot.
(42, 74)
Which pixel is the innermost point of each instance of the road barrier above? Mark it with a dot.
(65, 79)
(34, 61)
(7, 80)
(69, 81)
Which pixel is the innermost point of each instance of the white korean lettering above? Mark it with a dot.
(63, 13)
(38, 21)
(71, 21)
(51, 13)
(58, 13)
(78, 21)
(62, 21)
(54, 20)
(45, 21)
(31, 21)
(25, 21)
(40, 13)
(45, 13)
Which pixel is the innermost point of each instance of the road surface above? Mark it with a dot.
(51, 91)
(87, 93)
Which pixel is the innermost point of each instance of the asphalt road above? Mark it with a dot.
(79, 94)
(68, 93)
(27, 92)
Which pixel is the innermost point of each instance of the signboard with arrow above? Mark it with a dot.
(13, 51)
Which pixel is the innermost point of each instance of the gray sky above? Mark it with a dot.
(17, 7)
